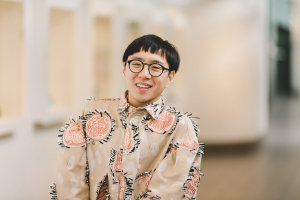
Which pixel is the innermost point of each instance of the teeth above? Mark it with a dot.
(143, 86)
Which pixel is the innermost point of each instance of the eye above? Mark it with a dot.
(136, 63)
(156, 67)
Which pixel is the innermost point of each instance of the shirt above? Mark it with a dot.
(116, 151)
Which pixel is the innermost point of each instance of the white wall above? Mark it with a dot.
(228, 71)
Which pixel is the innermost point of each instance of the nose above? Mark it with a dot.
(145, 73)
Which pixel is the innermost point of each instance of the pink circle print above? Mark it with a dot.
(98, 127)
(118, 162)
(127, 139)
(164, 123)
(192, 144)
(73, 135)
(192, 185)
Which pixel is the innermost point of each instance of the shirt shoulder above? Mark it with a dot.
(104, 104)
(186, 125)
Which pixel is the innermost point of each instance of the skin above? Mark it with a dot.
(138, 98)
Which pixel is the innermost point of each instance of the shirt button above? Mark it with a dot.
(126, 152)
(132, 120)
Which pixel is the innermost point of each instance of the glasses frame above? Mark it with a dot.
(163, 68)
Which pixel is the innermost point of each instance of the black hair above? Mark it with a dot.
(156, 45)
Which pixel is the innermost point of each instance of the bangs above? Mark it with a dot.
(155, 45)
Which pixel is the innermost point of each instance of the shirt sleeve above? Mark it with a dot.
(72, 170)
(178, 174)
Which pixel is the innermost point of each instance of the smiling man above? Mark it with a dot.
(132, 147)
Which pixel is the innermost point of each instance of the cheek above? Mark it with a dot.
(161, 83)
(129, 78)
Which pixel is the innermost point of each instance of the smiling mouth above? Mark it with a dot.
(143, 86)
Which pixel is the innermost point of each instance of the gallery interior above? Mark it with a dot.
(239, 73)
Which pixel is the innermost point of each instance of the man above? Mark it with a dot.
(132, 147)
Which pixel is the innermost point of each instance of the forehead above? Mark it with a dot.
(148, 56)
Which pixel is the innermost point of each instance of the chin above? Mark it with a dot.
(142, 100)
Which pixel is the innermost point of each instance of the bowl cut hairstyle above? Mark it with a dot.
(155, 45)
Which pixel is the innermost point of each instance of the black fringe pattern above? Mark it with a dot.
(53, 191)
(135, 137)
(91, 98)
(156, 197)
(196, 129)
(99, 187)
(121, 110)
(100, 184)
(162, 101)
(111, 165)
(176, 145)
(156, 109)
(129, 188)
(169, 148)
(87, 173)
(143, 195)
(200, 150)
(123, 119)
(142, 175)
(143, 121)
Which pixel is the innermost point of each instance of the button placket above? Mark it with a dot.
(132, 120)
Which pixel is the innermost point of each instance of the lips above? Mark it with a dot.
(143, 86)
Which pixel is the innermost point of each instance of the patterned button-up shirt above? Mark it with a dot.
(117, 151)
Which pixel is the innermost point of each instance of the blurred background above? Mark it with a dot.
(240, 73)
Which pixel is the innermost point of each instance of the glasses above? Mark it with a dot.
(154, 69)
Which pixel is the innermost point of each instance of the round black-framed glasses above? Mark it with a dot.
(155, 69)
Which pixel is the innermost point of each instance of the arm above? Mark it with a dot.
(72, 171)
(178, 174)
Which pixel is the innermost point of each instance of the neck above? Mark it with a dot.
(135, 103)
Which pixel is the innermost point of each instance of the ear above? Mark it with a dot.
(170, 78)
(124, 68)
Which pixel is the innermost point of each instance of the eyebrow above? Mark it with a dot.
(152, 61)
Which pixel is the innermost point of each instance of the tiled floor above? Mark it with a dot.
(267, 170)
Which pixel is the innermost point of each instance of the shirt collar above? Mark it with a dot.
(153, 109)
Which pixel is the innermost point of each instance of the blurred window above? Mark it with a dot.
(11, 59)
(61, 59)
(102, 57)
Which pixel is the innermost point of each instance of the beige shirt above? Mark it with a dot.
(116, 151)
